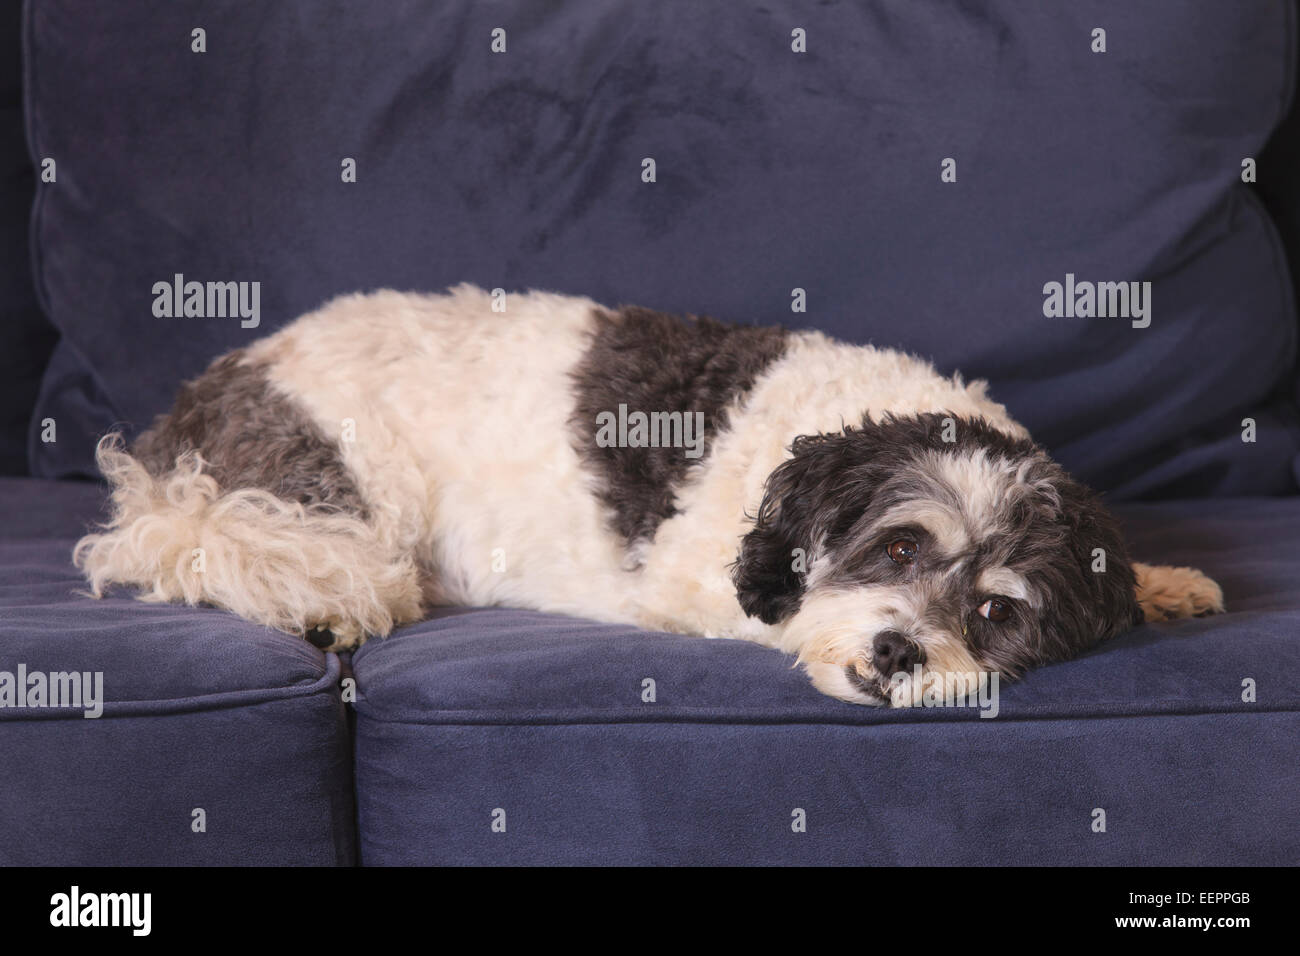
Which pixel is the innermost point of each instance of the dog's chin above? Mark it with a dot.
(848, 683)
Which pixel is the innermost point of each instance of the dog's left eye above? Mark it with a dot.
(995, 609)
(902, 551)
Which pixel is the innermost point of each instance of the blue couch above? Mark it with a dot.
(919, 171)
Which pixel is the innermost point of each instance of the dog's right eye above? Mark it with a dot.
(902, 551)
(996, 610)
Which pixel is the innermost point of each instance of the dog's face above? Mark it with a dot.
(934, 541)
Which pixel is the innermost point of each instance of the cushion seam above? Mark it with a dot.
(741, 719)
(221, 700)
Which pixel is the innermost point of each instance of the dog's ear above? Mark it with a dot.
(807, 500)
(1107, 604)
(1129, 592)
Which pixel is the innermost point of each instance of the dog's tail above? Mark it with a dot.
(179, 537)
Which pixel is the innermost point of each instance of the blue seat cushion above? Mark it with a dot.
(543, 717)
(202, 711)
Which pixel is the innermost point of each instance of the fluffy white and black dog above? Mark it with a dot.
(846, 504)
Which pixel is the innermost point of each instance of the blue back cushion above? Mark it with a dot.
(26, 337)
(775, 170)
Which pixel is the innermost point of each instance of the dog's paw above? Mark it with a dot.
(1166, 593)
(335, 636)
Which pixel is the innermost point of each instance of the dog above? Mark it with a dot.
(845, 504)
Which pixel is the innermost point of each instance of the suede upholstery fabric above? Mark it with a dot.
(26, 336)
(543, 717)
(203, 710)
(775, 170)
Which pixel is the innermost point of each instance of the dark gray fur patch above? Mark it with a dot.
(654, 362)
(250, 436)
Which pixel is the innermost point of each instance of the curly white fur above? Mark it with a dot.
(181, 538)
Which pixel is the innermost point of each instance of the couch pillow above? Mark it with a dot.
(793, 148)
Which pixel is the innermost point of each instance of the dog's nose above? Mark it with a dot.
(891, 652)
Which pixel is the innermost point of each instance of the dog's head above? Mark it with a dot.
(931, 540)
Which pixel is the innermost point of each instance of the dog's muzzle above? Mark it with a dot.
(891, 653)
